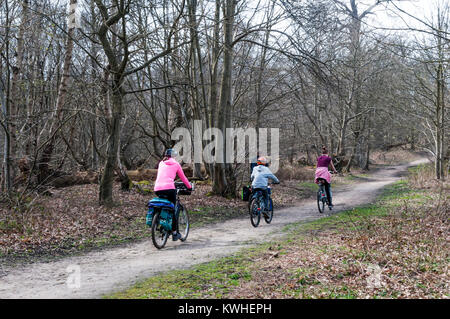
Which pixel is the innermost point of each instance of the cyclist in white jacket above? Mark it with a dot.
(260, 179)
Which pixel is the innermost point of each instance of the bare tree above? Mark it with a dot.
(56, 118)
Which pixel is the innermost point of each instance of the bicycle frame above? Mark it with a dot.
(257, 207)
(260, 198)
(322, 188)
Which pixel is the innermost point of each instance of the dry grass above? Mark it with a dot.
(394, 156)
(295, 172)
(423, 177)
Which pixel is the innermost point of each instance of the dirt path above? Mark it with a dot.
(115, 269)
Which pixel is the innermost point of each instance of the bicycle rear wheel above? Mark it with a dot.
(255, 212)
(269, 214)
(321, 202)
(159, 234)
(183, 223)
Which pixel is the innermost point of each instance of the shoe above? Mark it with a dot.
(330, 207)
(176, 236)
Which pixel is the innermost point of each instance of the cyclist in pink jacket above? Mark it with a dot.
(322, 173)
(168, 169)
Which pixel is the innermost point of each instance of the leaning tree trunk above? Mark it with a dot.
(15, 94)
(47, 153)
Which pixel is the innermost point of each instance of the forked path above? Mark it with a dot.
(110, 270)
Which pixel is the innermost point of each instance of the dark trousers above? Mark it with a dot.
(171, 195)
(327, 187)
(265, 194)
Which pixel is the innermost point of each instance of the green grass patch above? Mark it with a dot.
(6, 225)
(426, 167)
(203, 215)
(308, 186)
(354, 177)
(209, 280)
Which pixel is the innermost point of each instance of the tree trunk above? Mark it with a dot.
(125, 180)
(214, 74)
(198, 99)
(6, 175)
(107, 179)
(15, 94)
(5, 99)
(46, 156)
(95, 106)
(440, 109)
(223, 177)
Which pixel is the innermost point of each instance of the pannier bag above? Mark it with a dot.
(159, 203)
(246, 192)
(166, 219)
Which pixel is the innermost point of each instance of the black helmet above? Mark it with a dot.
(170, 153)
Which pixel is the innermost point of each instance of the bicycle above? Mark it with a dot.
(257, 205)
(161, 226)
(322, 198)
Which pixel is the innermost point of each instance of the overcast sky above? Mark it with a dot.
(385, 16)
(392, 18)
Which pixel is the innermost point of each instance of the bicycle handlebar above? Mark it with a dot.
(181, 187)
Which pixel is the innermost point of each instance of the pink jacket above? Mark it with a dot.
(322, 172)
(167, 171)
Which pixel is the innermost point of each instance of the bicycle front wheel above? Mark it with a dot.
(159, 234)
(183, 223)
(255, 212)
